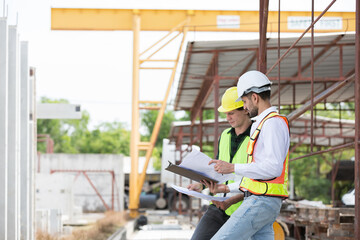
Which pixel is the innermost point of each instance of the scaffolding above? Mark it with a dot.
(212, 81)
(301, 80)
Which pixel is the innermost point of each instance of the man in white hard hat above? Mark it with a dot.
(231, 148)
(265, 180)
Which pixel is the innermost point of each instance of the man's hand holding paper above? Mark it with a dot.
(198, 187)
(216, 188)
(222, 166)
(200, 162)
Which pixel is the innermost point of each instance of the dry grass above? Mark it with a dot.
(44, 236)
(101, 230)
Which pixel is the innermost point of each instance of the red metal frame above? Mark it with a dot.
(84, 172)
(49, 147)
(48, 140)
(357, 123)
(336, 83)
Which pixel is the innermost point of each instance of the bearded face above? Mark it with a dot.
(249, 106)
(253, 112)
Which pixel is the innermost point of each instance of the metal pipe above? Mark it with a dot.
(216, 104)
(312, 78)
(347, 145)
(291, 47)
(318, 98)
(357, 123)
(264, 7)
(279, 57)
(341, 62)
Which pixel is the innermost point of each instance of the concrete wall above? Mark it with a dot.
(84, 194)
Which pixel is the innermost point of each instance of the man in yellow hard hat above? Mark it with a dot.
(231, 148)
(265, 175)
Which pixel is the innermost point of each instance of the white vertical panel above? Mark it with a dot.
(32, 151)
(24, 143)
(13, 135)
(3, 127)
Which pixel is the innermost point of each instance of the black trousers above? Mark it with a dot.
(210, 223)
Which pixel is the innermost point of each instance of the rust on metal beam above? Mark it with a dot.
(246, 68)
(206, 89)
(268, 48)
(302, 35)
(321, 53)
(318, 98)
(263, 14)
(347, 145)
(357, 123)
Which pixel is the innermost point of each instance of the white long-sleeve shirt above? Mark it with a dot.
(270, 150)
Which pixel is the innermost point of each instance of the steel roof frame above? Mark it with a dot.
(352, 76)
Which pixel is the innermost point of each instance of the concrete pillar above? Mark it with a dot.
(13, 136)
(3, 126)
(32, 151)
(24, 143)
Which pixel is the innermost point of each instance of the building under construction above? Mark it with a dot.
(309, 72)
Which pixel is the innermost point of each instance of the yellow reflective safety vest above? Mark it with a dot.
(273, 187)
(239, 157)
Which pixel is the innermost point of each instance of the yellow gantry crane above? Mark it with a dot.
(180, 22)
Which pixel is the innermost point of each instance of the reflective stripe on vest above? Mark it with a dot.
(272, 187)
(240, 157)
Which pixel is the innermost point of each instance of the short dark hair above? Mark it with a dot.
(240, 108)
(264, 95)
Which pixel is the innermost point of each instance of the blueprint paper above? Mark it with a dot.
(199, 162)
(197, 194)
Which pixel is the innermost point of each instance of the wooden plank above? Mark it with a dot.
(341, 230)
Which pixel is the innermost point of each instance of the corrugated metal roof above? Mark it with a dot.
(327, 131)
(236, 56)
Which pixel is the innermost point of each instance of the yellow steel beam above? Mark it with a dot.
(150, 102)
(135, 122)
(159, 118)
(136, 180)
(201, 20)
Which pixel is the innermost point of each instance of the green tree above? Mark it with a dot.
(73, 135)
(105, 138)
(60, 130)
(148, 119)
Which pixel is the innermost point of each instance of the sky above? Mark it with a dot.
(94, 68)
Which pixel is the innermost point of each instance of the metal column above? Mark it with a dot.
(135, 136)
(357, 123)
(24, 143)
(3, 126)
(264, 6)
(13, 135)
(216, 102)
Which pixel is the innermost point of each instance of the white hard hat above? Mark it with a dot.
(252, 81)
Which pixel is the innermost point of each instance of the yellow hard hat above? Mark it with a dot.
(228, 100)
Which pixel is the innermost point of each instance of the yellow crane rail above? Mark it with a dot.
(201, 20)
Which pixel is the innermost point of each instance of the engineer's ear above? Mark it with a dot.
(255, 98)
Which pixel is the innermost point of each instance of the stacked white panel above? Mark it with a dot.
(3, 125)
(24, 143)
(13, 136)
